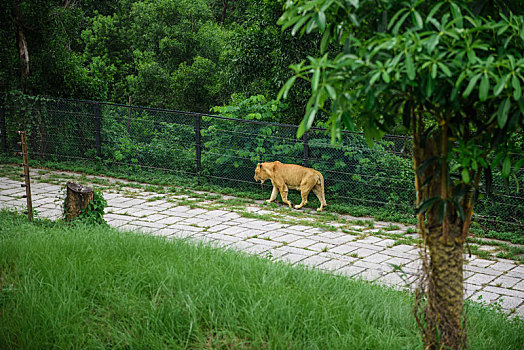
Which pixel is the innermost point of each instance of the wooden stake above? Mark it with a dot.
(27, 185)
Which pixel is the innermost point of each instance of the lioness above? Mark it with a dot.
(291, 176)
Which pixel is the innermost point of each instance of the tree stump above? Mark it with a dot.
(77, 199)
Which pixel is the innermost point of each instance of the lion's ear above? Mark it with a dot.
(259, 165)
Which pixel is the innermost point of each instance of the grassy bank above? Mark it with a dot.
(94, 287)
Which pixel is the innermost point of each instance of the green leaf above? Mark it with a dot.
(444, 69)
(432, 42)
(299, 24)
(285, 89)
(386, 77)
(460, 211)
(465, 176)
(471, 85)
(321, 20)
(484, 88)
(425, 165)
(500, 85)
(410, 67)
(502, 115)
(315, 79)
(506, 167)
(331, 92)
(374, 78)
(417, 19)
(443, 206)
(517, 91)
(518, 164)
(306, 123)
(426, 204)
(325, 41)
(457, 15)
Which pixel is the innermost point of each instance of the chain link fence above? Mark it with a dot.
(226, 151)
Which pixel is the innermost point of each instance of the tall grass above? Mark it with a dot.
(94, 287)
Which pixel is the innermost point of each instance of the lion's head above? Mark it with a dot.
(261, 173)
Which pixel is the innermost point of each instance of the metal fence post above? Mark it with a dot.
(98, 130)
(3, 128)
(306, 148)
(198, 148)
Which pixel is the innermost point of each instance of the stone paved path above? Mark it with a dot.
(368, 257)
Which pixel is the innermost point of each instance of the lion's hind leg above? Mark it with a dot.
(305, 188)
(319, 192)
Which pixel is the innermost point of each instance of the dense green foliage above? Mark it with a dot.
(94, 287)
(179, 54)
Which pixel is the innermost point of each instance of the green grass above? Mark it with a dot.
(94, 287)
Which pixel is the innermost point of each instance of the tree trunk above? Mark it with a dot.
(442, 280)
(23, 52)
(443, 313)
(77, 200)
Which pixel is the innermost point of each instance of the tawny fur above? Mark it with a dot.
(292, 176)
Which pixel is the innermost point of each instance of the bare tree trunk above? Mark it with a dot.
(23, 52)
(224, 9)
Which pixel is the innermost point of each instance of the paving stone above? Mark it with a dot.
(373, 266)
(363, 252)
(505, 291)
(263, 242)
(294, 250)
(470, 289)
(233, 230)
(392, 279)
(376, 258)
(334, 264)
(483, 296)
(481, 262)
(155, 218)
(314, 260)
(370, 275)
(504, 281)
(165, 232)
(509, 303)
(520, 311)
(116, 223)
(519, 286)
(183, 234)
(343, 249)
(226, 238)
(303, 243)
(180, 227)
(385, 242)
(241, 245)
(484, 270)
(480, 278)
(503, 266)
(272, 235)
(256, 249)
(287, 238)
(320, 247)
(350, 270)
(169, 220)
(292, 258)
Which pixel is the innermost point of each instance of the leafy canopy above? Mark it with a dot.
(436, 59)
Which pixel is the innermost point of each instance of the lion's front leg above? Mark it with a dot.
(274, 194)
(283, 193)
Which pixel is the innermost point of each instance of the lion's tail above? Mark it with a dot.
(320, 181)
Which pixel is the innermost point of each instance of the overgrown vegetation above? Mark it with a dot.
(91, 286)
